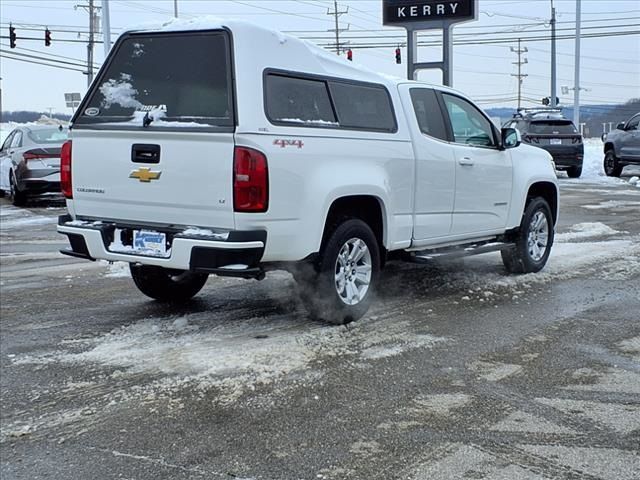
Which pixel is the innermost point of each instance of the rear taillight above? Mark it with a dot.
(250, 180)
(65, 170)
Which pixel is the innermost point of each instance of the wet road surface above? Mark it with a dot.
(458, 371)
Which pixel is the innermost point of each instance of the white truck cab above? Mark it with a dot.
(218, 147)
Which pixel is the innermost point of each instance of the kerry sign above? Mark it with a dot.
(427, 12)
(416, 15)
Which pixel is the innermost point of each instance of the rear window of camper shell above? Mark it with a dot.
(179, 79)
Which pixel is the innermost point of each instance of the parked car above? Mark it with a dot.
(259, 151)
(548, 129)
(622, 146)
(30, 161)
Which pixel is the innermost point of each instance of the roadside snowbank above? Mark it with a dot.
(593, 167)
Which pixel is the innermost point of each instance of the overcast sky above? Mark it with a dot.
(610, 65)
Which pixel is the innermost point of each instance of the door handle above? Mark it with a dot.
(145, 153)
(466, 162)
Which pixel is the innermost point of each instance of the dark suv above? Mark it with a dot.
(622, 146)
(548, 129)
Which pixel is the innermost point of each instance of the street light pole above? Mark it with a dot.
(90, 46)
(106, 27)
(576, 83)
(553, 56)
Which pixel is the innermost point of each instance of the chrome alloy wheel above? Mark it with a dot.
(353, 271)
(538, 236)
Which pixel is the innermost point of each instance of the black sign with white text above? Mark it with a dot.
(397, 12)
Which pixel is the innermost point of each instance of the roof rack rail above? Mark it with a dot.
(522, 112)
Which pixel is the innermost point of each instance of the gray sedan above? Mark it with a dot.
(30, 161)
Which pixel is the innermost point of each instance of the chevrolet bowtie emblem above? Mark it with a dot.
(145, 174)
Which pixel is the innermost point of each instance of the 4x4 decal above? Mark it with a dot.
(282, 143)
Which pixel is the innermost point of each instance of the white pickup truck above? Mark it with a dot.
(218, 147)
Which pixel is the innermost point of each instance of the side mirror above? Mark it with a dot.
(620, 126)
(510, 138)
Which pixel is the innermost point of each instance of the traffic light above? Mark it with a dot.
(350, 55)
(398, 55)
(12, 36)
(47, 38)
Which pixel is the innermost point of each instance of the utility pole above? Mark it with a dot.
(520, 76)
(576, 91)
(553, 98)
(336, 14)
(175, 8)
(90, 46)
(106, 27)
(93, 17)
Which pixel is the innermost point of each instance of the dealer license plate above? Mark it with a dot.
(555, 141)
(148, 242)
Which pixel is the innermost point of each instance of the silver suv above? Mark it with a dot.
(622, 146)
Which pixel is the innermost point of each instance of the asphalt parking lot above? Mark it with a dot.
(457, 372)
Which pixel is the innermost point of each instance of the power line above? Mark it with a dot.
(495, 41)
(46, 53)
(3, 54)
(26, 55)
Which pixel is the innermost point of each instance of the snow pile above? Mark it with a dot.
(585, 230)
(231, 356)
(44, 120)
(610, 260)
(7, 127)
(117, 269)
(204, 232)
(593, 165)
(614, 204)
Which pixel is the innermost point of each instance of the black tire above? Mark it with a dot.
(523, 256)
(611, 166)
(2, 194)
(320, 290)
(165, 285)
(574, 172)
(18, 197)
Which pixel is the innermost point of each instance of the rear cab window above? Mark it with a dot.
(428, 113)
(180, 79)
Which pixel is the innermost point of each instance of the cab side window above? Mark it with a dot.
(633, 123)
(468, 124)
(428, 113)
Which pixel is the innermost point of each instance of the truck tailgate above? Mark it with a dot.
(115, 177)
